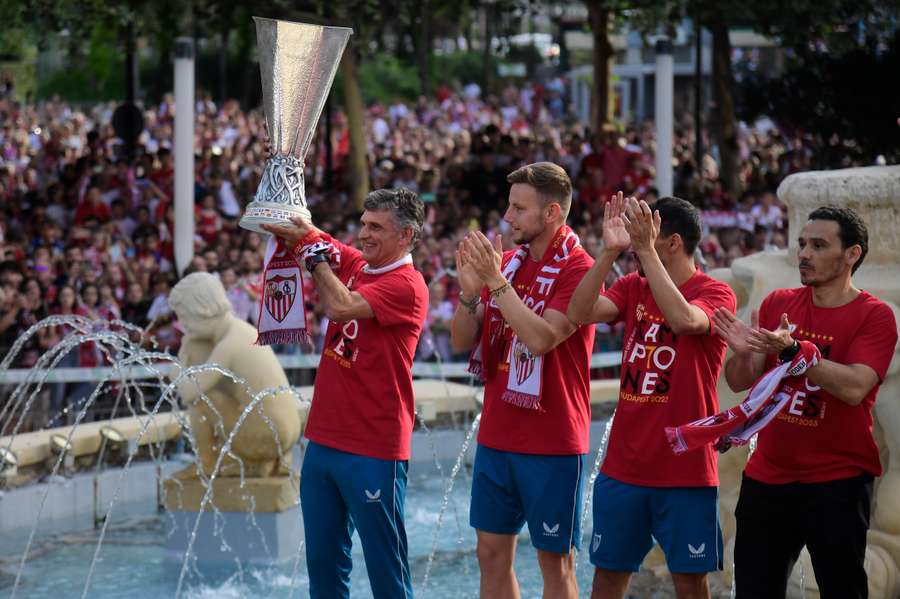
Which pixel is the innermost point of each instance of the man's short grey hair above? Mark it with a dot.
(405, 206)
(199, 295)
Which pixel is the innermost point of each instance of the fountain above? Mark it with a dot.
(243, 434)
(228, 478)
(194, 471)
(90, 493)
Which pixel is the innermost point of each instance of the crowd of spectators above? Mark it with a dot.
(86, 230)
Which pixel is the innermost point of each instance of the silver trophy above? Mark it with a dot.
(297, 62)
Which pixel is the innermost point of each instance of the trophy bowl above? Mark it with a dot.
(297, 63)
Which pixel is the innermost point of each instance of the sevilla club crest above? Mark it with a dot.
(524, 362)
(280, 293)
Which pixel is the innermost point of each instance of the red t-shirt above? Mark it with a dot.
(615, 162)
(667, 380)
(363, 400)
(594, 197)
(592, 162)
(561, 425)
(87, 210)
(817, 437)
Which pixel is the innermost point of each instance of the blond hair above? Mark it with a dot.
(550, 180)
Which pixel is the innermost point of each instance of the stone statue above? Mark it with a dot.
(215, 336)
(874, 193)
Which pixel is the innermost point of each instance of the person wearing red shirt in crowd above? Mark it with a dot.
(442, 93)
(593, 188)
(637, 178)
(607, 156)
(614, 160)
(593, 161)
(529, 465)
(592, 193)
(209, 221)
(670, 364)
(92, 206)
(164, 175)
(362, 414)
(809, 482)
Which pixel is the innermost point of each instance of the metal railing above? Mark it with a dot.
(288, 362)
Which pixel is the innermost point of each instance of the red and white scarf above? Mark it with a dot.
(282, 307)
(498, 341)
(768, 397)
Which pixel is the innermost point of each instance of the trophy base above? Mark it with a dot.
(256, 216)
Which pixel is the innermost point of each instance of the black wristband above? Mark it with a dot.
(314, 260)
(469, 304)
(788, 354)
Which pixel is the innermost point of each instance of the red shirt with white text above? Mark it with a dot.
(667, 380)
(561, 425)
(818, 437)
(363, 402)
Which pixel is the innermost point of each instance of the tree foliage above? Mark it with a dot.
(849, 103)
(840, 84)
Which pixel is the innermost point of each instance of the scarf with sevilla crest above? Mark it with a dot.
(768, 397)
(282, 307)
(499, 347)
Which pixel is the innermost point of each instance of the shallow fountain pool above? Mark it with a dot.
(132, 562)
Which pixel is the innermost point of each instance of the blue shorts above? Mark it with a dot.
(340, 491)
(510, 489)
(683, 520)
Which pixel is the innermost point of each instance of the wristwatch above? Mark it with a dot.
(788, 353)
(312, 261)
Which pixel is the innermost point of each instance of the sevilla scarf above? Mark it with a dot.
(499, 346)
(282, 309)
(768, 397)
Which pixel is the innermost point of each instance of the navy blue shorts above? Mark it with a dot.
(340, 491)
(510, 489)
(629, 518)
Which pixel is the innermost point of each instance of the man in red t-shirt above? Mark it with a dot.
(362, 413)
(809, 482)
(670, 364)
(529, 465)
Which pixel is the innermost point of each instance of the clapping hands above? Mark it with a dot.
(641, 223)
(469, 281)
(743, 339)
(615, 236)
(479, 258)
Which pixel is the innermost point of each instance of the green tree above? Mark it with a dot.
(816, 32)
(601, 57)
(719, 16)
(843, 101)
(644, 16)
(367, 18)
(840, 85)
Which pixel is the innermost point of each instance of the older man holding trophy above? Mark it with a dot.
(361, 419)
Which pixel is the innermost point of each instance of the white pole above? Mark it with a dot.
(184, 153)
(664, 116)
